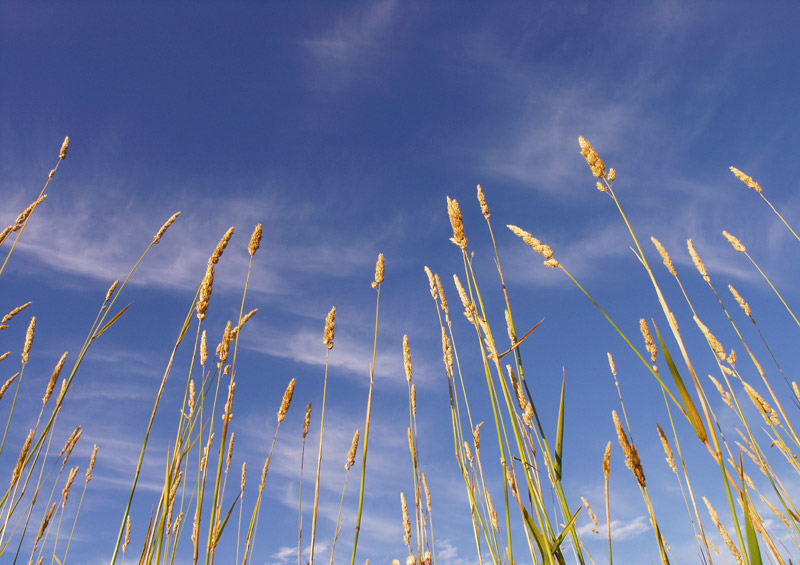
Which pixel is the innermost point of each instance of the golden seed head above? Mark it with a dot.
(205, 292)
(476, 437)
(447, 353)
(612, 365)
(287, 400)
(379, 271)
(92, 460)
(648, 340)
(227, 413)
(632, 460)
(442, 297)
(512, 336)
(667, 450)
(223, 243)
(14, 312)
(244, 320)
(51, 384)
(737, 245)
(726, 398)
(7, 384)
(110, 291)
(457, 224)
(165, 227)
(411, 560)
(492, 511)
(427, 491)
(762, 405)
(22, 218)
(592, 515)
(698, 263)
(44, 524)
(406, 522)
(243, 480)
(592, 158)
(307, 421)
(541, 249)
(742, 304)
(612, 175)
(23, 454)
(468, 451)
(351, 453)
(521, 400)
(723, 532)
(255, 240)
(26, 349)
(431, 282)
(665, 256)
(407, 358)
(600, 186)
(62, 154)
(712, 340)
(127, 533)
(230, 453)
(223, 347)
(607, 460)
(551, 264)
(4, 355)
(482, 202)
(411, 449)
(330, 321)
(52, 172)
(796, 391)
(469, 309)
(65, 491)
(746, 179)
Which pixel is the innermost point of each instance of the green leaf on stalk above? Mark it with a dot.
(538, 537)
(567, 528)
(688, 404)
(110, 323)
(560, 433)
(752, 539)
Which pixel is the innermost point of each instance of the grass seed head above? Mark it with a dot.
(762, 405)
(51, 384)
(14, 312)
(406, 522)
(255, 240)
(165, 227)
(670, 458)
(746, 179)
(407, 358)
(330, 321)
(411, 449)
(62, 154)
(427, 491)
(482, 202)
(492, 512)
(110, 291)
(7, 384)
(26, 349)
(796, 391)
(442, 297)
(287, 400)
(664, 256)
(592, 158)
(742, 304)
(65, 491)
(23, 455)
(351, 453)
(737, 245)
(469, 309)
(307, 421)
(712, 340)
(205, 292)
(203, 348)
(92, 460)
(648, 340)
(431, 282)
(379, 271)
(25, 214)
(726, 398)
(457, 223)
(223, 243)
(698, 263)
(632, 460)
(723, 532)
(612, 365)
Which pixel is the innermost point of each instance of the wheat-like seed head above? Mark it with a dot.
(607, 460)
(468, 451)
(726, 398)
(762, 405)
(712, 340)
(26, 349)
(224, 346)
(65, 491)
(592, 158)
(521, 400)
(667, 450)
(457, 223)
(127, 534)
(592, 515)
(165, 227)
(469, 309)
(25, 214)
(4, 355)
(648, 340)
(737, 245)
(796, 391)
(70, 444)
(746, 179)
(351, 453)
(447, 353)
(307, 421)
(535, 244)
(44, 524)
(223, 243)
(411, 448)
(406, 522)
(742, 304)
(110, 291)
(7, 384)
(665, 257)
(379, 271)
(632, 460)
(287, 400)
(431, 282)
(14, 312)
(612, 365)
(492, 512)
(411, 560)
(476, 437)
(51, 384)
(328, 335)
(442, 297)
(191, 400)
(255, 240)
(92, 460)
(23, 454)
(205, 292)
(698, 263)
(723, 532)
(414, 399)
(427, 491)
(407, 359)
(482, 202)
(229, 456)
(62, 153)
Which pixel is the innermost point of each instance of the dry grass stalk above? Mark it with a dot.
(632, 460)
(286, 401)
(665, 257)
(457, 223)
(7, 384)
(165, 227)
(255, 240)
(746, 179)
(379, 271)
(351, 453)
(14, 312)
(26, 349)
(592, 158)
(723, 532)
(330, 322)
(737, 245)
(442, 297)
(51, 384)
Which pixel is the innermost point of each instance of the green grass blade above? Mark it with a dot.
(560, 433)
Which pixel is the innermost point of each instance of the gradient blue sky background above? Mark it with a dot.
(342, 127)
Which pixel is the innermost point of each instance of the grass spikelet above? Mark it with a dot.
(648, 340)
(538, 246)
(407, 358)
(223, 243)
(26, 349)
(23, 455)
(632, 460)
(328, 334)
(4, 355)
(62, 153)
(127, 534)
(457, 223)
(482, 202)
(713, 342)
(723, 532)
(287, 401)
(737, 245)
(7, 318)
(379, 271)
(255, 240)
(742, 304)
(90, 468)
(665, 257)
(351, 453)
(411, 449)
(442, 297)
(762, 405)
(469, 309)
(160, 233)
(670, 458)
(203, 348)
(51, 384)
(748, 180)
(726, 398)
(205, 292)
(592, 515)
(612, 365)
(795, 389)
(521, 400)
(65, 491)
(592, 158)
(7, 384)
(492, 512)
(307, 420)
(406, 521)
(110, 291)
(431, 282)
(698, 263)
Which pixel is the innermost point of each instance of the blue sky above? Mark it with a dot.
(342, 127)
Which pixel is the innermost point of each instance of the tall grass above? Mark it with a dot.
(518, 505)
